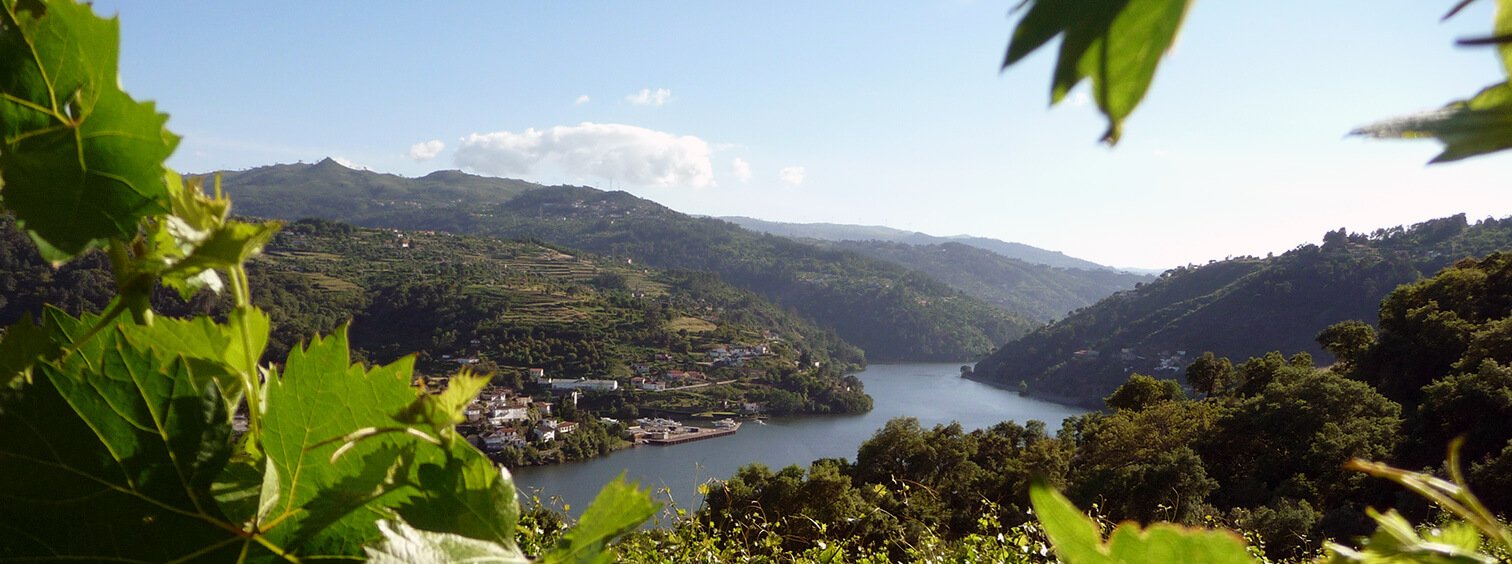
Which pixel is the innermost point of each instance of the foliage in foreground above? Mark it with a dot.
(116, 430)
(1118, 45)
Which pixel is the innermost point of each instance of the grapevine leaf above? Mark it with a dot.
(120, 448)
(246, 491)
(464, 494)
(618, 509)
(1396, 540)
(1077, 540)
(1480, 125)
(322, 396)
(1118, 43)
(199, 236)
(22, 344)
(247, 328)
(403, 544)
(214, 351)
(338, 436)
(81, 160)
(25, 344)
(1165, 542)
(1074, 536)
(444, 410)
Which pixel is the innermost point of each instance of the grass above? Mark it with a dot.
(691, 325)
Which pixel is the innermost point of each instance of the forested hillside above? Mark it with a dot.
(1238, 308)
(1260, 448)
(1037, 291)
(842, 232)
(891, 312)
(498, 306)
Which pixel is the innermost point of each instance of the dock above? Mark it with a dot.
(682, 435)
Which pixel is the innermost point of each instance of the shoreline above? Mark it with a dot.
(1058, 399)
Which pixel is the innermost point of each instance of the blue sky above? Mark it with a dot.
(886, 113)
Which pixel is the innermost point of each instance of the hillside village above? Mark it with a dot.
(532, 424)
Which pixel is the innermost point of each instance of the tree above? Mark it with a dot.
(1142, 392)
(1348, 341)
(1141, 464)
(1475, 405)
(1291, 438)
(1209, 374)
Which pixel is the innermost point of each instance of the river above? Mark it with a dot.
(933, 393)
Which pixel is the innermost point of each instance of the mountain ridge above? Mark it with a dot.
(1240, 308)
(849, 232)
(888, 310)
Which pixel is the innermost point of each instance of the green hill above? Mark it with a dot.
(890, 311)
(1237, 308)
(843, 232)
(329, 190)
(1040, 292)
(496, 306)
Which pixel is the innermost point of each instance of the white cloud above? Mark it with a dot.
(741, 169)
(606, 150)
(580, 100)
(425, 151)
(792, 175)
(647, 97)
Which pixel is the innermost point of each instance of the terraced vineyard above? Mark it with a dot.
(498, 306)
(505, 306)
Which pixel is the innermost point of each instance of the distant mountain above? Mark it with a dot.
(1237, 308)
(842, 232)
(891, 312)
(1040, 292)
(329, 190)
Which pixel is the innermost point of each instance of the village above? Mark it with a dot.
(544, 413)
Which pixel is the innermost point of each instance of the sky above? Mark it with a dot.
(876, 113)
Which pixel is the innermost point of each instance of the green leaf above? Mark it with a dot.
(1077, 541)
(1468, 128)
(1165, 542)
(215, 351)
(322, 396)
(22, 344)
(403, 544)
(618, 509)
(445, 410)
(119, 448)
(1075, 536)
(333, 433)
(1396, 540)
(198, 237)
(1118, 43)
(81, 160)
(27, 344)
(247, 491)
(464, 494)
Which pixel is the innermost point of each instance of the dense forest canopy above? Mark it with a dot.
(1238, 308)
(1260, 447)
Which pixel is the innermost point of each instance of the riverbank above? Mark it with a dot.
(934, 393)
(1091, 404)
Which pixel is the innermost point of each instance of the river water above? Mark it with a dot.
(933, 393)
